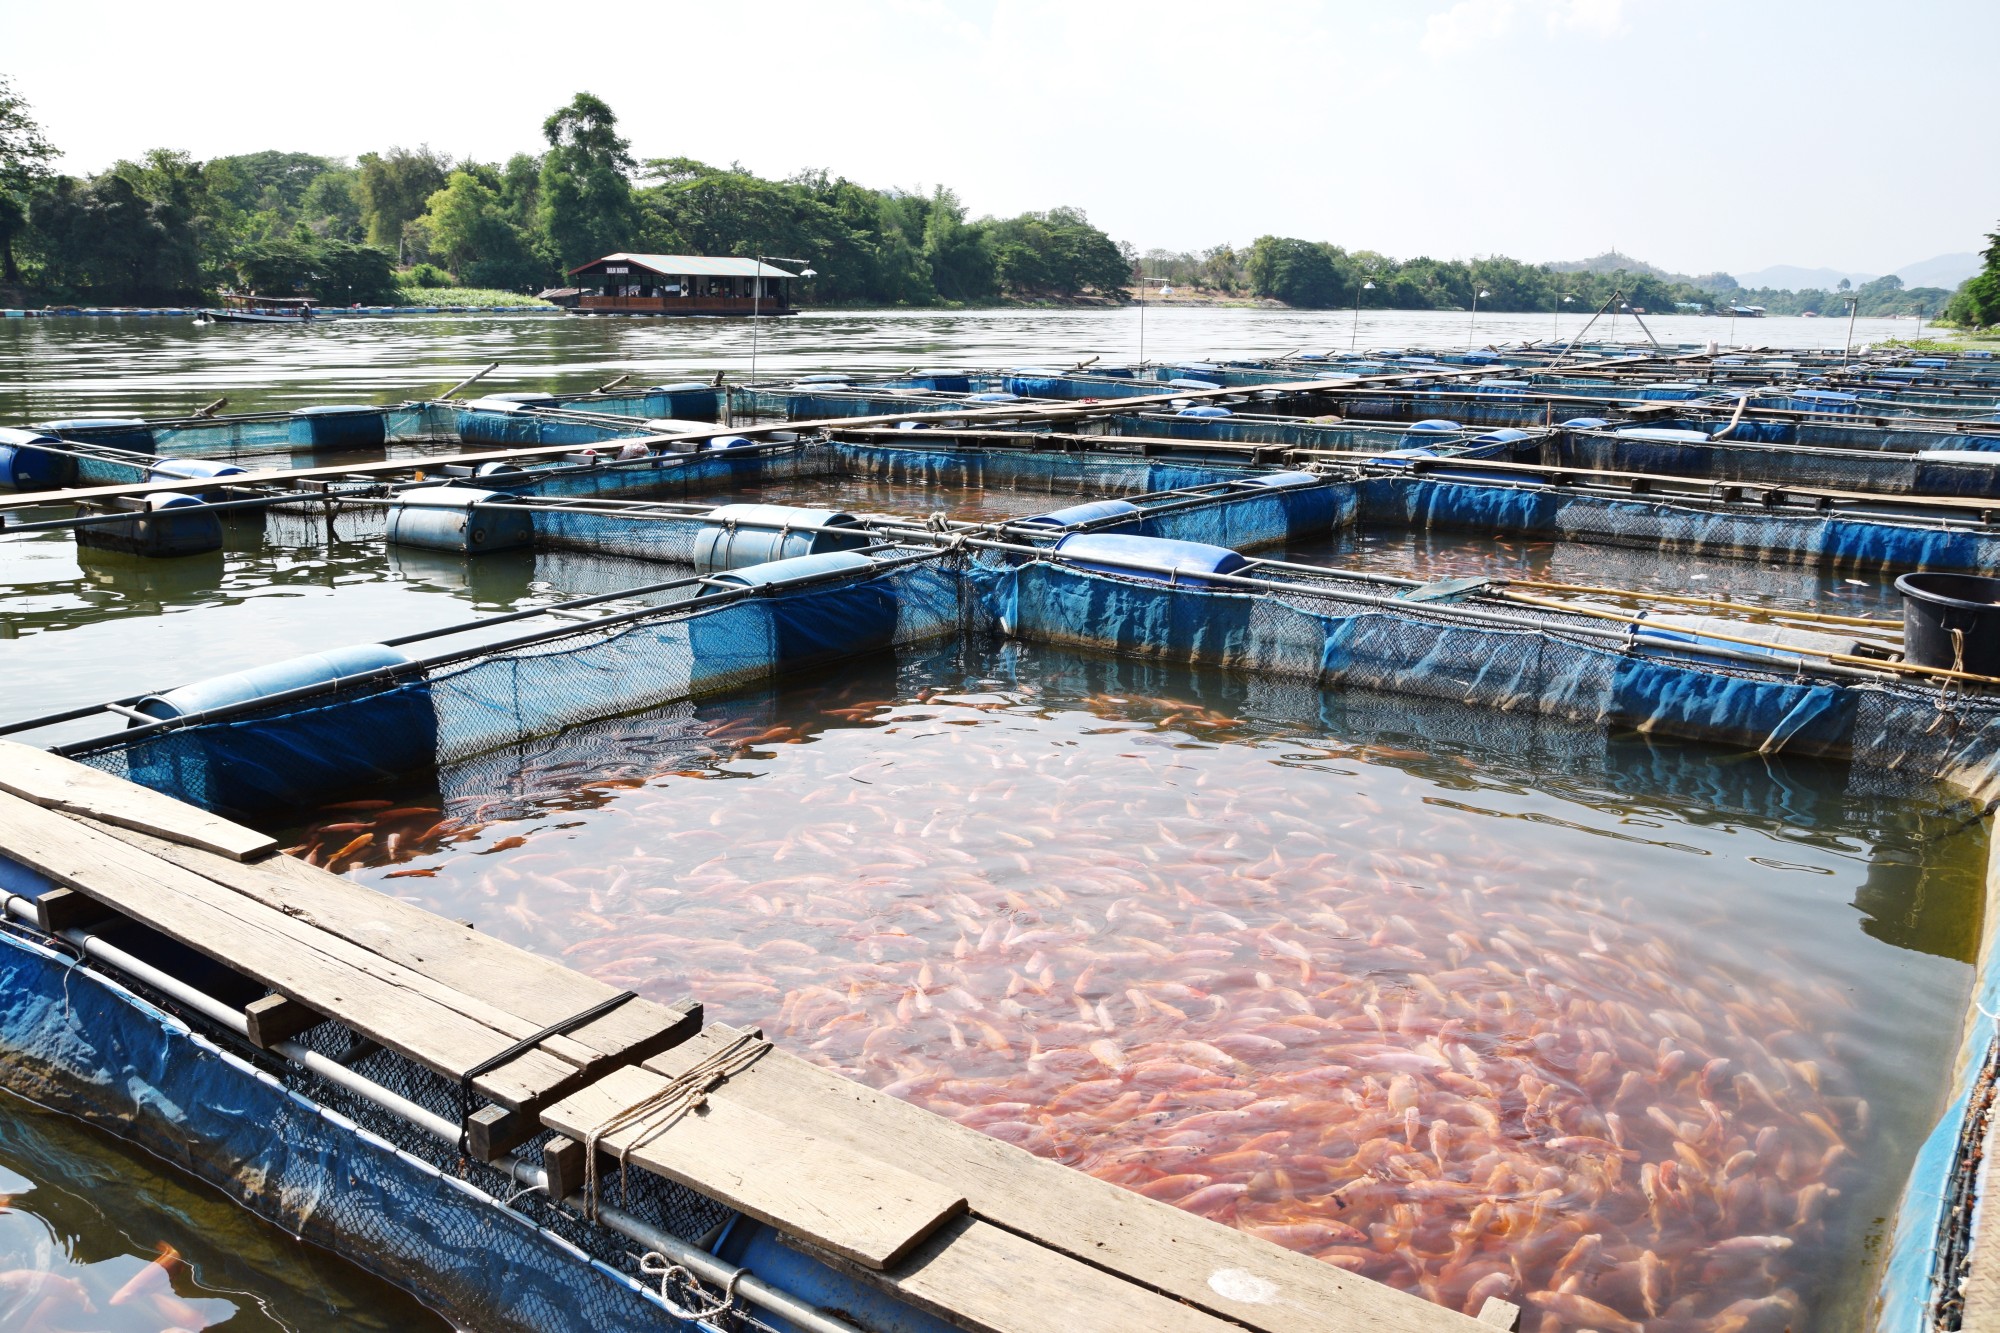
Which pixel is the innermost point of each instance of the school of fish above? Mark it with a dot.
(1290, 983)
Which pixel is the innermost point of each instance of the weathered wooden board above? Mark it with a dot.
(842, 1201)
(1220, 1269)
(511, 979)
(63, 784)
(272, 948)
(988, 1280)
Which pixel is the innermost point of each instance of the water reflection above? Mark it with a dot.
(96, 1235)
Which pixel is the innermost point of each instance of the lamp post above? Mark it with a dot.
(756, 301)
(1556, 316)
(1354, 334)
(1472, 331)
(1853, 304)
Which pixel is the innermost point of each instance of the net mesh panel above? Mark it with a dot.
(1483, 411)
(321, 1162)
(1301, 434)
(670, 475)
(479, 426)
(1049, 471)
(1744, 530)
(1875, 470)
(1327, 638)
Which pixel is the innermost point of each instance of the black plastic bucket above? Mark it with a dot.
(1935, 605)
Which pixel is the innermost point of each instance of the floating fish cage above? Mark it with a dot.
(1454, 928)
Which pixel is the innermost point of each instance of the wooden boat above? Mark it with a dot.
(250, 308)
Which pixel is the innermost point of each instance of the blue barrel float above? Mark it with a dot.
(734, 536)
(161, 526)
(297, 752)
(27, 463)
(814, 608)
(1168, 560)
(126, 433)
(466, 520)
(352, 426)
(1093, 511)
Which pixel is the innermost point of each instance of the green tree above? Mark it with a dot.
(25, 154)
(959, 254)
(1296, 272)
(584, 207)
(392, 189)
(470, 230)
(1976, 304)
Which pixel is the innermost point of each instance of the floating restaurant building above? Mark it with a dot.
(629, 284)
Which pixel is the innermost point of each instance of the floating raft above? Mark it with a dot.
(867, 1201)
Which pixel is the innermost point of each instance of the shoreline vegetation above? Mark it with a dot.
(403, 226)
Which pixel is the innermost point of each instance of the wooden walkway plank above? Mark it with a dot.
(1228, 1272)
(851, 1205)
(535, 989)
(985, 1278)
(273, 949)
(59, 783)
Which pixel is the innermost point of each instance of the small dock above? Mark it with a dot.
(931, 1216)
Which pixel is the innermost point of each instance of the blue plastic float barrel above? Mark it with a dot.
(129, 434)
(26, 463)
(1664, 434)
(300, 753)
(1434, 425)
(158, 528)
(462, 519)
(348, 426)
(735, 536)
(797, 569)
(1091, 511)
(184, 469)
(1187, 561)
(1584, 423)
(1204, 410)
(1185, 383)
(1283, 480)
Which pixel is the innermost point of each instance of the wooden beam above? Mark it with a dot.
(62, 909)
(844, 1202)
(277, 1018)
(492, 1130)
(562, 1165)
(63, 784)
(1500, 1314)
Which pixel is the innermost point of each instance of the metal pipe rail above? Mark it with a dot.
(117, 961)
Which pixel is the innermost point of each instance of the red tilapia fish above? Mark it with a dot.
(1374, 1005)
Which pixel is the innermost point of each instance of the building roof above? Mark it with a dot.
(693, 266)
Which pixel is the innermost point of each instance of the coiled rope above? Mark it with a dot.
(661, 1110)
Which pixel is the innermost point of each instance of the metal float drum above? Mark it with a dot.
(463, 519)
(733, 536)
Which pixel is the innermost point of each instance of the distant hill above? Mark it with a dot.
(1945, 271)
(1611, 261)
(1792, 278)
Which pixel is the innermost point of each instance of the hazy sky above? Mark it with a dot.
(1695, 134)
